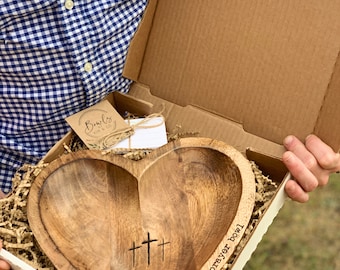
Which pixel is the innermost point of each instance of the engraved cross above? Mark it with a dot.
(133, 249)
(163, 244)
(148, 241)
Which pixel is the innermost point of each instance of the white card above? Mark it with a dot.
(14, 262)
(149, 133)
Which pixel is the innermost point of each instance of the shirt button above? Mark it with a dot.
(88, 67)
(69, 4)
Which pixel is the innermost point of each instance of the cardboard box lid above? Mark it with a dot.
(272, 66)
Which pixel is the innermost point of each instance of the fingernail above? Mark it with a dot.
(310, 135)
(288, 140)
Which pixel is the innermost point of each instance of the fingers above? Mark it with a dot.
(310, 164)
(4, 265)
(324, 154)
(305, 177)
(315, 156)
(295, 192)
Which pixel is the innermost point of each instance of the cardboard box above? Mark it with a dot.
(246, 73)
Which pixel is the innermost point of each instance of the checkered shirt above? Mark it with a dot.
(56, 57)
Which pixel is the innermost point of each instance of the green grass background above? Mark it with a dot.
(303, 236)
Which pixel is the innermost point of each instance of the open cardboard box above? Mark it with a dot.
(246, 73)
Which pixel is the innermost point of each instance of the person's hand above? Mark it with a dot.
(310, 164)
(3, 265)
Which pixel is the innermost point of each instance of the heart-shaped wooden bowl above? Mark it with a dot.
(184, 206)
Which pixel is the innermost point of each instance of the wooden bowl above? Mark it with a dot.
(185, 206)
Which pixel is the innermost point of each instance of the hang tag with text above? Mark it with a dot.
(99, 126)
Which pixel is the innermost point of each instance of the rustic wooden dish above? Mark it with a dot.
(184, 206)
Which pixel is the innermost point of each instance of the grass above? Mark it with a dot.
(303, 236)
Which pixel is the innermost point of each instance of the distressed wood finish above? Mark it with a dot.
(185, 206)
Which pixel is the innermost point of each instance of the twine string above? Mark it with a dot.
(115, 137)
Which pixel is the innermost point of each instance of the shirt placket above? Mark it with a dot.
(77, 27)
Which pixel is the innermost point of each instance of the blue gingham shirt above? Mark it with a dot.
(56, 57)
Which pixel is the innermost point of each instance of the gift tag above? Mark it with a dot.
(99, 126)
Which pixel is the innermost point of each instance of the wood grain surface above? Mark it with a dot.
(184, 206)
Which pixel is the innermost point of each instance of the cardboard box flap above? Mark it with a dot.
(267, 65)
(328, 125)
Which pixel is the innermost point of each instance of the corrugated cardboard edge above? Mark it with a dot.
(205, 123)
(262, 227)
